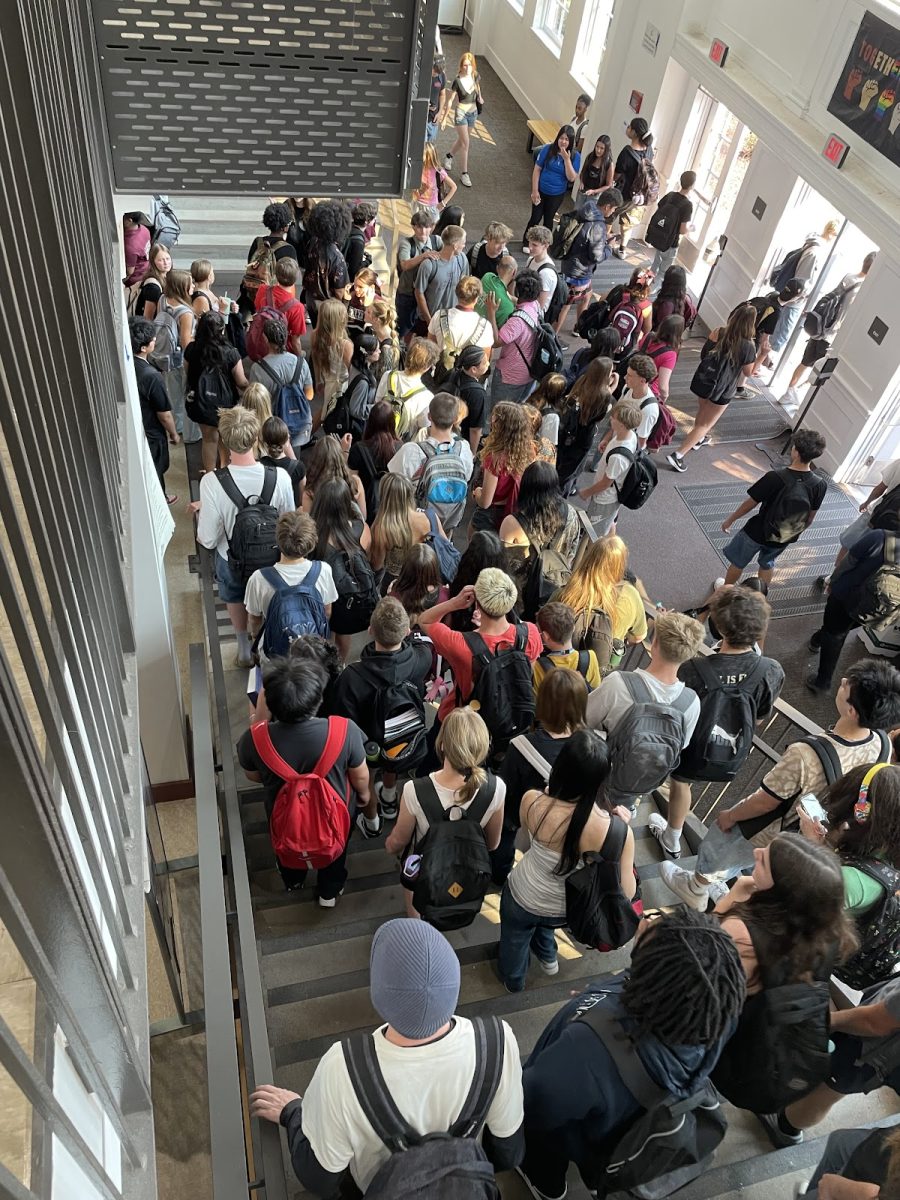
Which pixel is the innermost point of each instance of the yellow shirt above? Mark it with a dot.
(630, 617)
(568, 658)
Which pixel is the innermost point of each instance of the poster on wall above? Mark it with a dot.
(867, 95)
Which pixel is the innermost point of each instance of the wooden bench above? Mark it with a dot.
(544, 131)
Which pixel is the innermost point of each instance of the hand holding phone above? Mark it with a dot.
(813, 809)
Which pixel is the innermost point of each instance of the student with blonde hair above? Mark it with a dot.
(615, 463)
(436, 187)
(398, 526)
(330, 353)
(465, 95)
(609, 611)
(453, 329)
(404, 390)
(486, 254)
(159, 259)
(383, 319)
(328, 462)
(175, 324)
(462, 746)
(205, 300)
(362, 295)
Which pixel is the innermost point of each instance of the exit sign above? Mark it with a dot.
(718, 52)
(836, 150)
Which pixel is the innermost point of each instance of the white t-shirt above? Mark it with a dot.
(417, 404)
(550, 427)
(615, 467)
(259, 591)
(448, 798)
(465, 328)
(217, 512)
(650, 414)
(890, 477)
(429, 1085)
(410, 458)
(547, 272)
(608, 704)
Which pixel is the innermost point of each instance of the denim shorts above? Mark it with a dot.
(231, 590)
(469, 118)
(431, 131)
(855, 530)
(742, 550)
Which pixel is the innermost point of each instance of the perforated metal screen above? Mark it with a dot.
(320, 98)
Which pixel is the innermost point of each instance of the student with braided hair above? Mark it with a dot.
(576, 1104)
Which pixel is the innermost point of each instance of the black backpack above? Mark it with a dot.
(354, 580)
(596, 316)
(399, 721)
(455, 867)
(351, 409)
(558, 300)
(723, 736)
(547, 356)
(597, 911)
(502, 688)
(663, 226)
(212, 393)
(443, 1165)
(878, 602)
(567, 230)
(779, 1051)
(787, 515)
(785, 271)
(826, 311)
(886, 514)
(252, 544)
(670, 1137)
(546, 570)
(637, 487)
(879, 930)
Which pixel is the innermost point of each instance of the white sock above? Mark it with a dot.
(389, 793)
(243, 641)
(672, 838)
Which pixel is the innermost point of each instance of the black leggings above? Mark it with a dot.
(544, 212)
(836, 624)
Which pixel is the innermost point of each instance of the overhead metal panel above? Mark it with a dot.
(321, 98)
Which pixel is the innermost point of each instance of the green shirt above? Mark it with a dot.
(861, 891)
(494, 284)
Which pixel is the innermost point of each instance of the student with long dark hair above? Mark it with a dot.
(589, 401)
(672, 297)
(567, 819)
(451, 215)
(663, 345)
(631, 157)
(541, 517)
(598, 169)
(210, 351)
(418, 586)
(369, 457)
(341, 531)
(555, 169)
(484, 550)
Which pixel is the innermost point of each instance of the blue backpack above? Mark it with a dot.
(289, 402)
(295, 609)
(447, 554)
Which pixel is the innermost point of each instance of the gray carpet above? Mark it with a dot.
(794, 592)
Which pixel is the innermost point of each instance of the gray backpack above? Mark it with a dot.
(646, 744)
(167, 353)
(443, 484)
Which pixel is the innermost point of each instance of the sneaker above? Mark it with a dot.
(820, 584)
(365, 830)
(465, 180)
(619, 252)
(171, 499)
(549, 968)
(448, 162)
(812, 682)
(676, 462)
(717, 889)
(532, 1190)
(658, 826)
(704, 441)
(389, 808)
(564, 346)
(718, 582)
(742, 392)
(330, 903)
(681, 882)
(815, 642)
(790, 399)
(245, 659)
(777, 1136)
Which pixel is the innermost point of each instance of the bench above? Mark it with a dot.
(544, 131)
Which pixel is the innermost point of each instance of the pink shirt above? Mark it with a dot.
(517, 340)
(662, 358)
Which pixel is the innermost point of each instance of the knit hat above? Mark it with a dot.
(414, 977)
(495, 592)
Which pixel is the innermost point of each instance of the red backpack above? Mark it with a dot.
(310, 822)
(627, 318)
(257, 346)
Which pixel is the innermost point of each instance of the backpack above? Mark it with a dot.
(582, 667)
(592, 320)
(598, 914)
(397, 401)
(260, 270)
(443, 484)
(663, 227)
(558, 300)
(357, 235)
(447, 554)
(879, 930)
(455, 865)
(637, 487)
(886, 513)
(709, 374)
(290, 403)
(310, 822)
(645, 189)
(447, 1165)
(784, 272)
(257, 346)
(547, 355)
(723, 736)
(449, 352)
(668, 1137)
(212, 393)
(165, 226)
(598, 636)
(354, 581)
(167, 353)
(399, 721)
(646, 744)
(879, 598)
(665, 428)
(294, 609)
(547, 570)
(567, 231)
(787, 515)
(828, 757)
(764, 306)
(824, 314)
(351, 409)
(252, 545)
(626, 317)
(502, 688)
(779, 1051)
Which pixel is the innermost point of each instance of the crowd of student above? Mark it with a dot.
(347, 439)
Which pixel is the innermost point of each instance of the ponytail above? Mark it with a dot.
(464, 743)
(475, 781)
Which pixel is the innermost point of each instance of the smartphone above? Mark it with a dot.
(813, 808)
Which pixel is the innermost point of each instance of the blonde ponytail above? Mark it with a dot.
(464, 742)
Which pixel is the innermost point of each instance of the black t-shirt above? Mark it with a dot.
(153, 397)
(294, 467)
(354, 251)
(150, 292)
(301, 747)
(521, 777)
(438, 84)
(326, 271)
(484, 262)
(285, 250)
(471, 392)
(626, 170)
(682, 207)
(864, 558)
(733, 668)
(594, 173)
(195, 365)
(767, 490)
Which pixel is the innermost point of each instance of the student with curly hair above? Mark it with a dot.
(506, 452)
(277, 219)
(325, 269)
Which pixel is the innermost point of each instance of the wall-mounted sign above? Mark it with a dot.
(759, 208)
(651, 38)
(866, 95)
(835, 151)
(637, 99)
(718, 52)
(878, 331)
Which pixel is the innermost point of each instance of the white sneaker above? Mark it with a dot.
(244, 660)
(465, 180)
(717, 889)
(658, 826)
(718, 582)
(448, 162)
(681, 882)
(790, 399)
(549, 968)
(323, 903)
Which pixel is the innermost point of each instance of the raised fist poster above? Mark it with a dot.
(867, 95)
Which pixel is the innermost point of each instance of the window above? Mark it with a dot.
(518, 5)
(592, 42)
(551, 20)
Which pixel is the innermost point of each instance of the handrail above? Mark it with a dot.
(226, 1120)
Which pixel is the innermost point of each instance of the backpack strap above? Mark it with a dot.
(584, 663)
(334, 744)
(490, 1044)
(885, 875)
(274, 579)
(268, 370)
(270, 481)
(827, 756)
(481, 801)
(614, 842)
(885, 752)
(429, 801)
(637, 688)
(231, 489)
(377, 1103)
(629, 454)
(262, 743)
(531, 756)
(298, 366)
(623, 1052)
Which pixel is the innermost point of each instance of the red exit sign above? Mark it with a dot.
(836, 150)
(718, 52)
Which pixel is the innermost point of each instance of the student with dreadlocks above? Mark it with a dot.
(576, 1105)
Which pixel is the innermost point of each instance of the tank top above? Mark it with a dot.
(534, 885)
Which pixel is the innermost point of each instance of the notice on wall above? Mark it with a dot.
(866, 97)
(651, 39)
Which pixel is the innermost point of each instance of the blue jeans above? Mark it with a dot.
(407, 311)
(520, 933)
(787, 319)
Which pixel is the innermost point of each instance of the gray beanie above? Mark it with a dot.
(414, 977)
